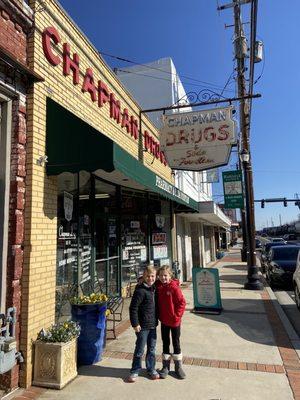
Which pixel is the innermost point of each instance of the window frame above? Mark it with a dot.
(5, 157)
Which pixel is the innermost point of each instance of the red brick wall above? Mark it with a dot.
(12, 36)
(16, 226)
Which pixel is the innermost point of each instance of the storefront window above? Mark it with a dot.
(106, 237)
(134, 240)
(160, 222)
(85, 233)
(67, 243)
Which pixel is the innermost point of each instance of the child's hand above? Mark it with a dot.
(137, 329)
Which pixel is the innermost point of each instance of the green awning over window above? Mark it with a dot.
(73, 145)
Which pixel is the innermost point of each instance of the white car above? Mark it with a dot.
(278, 239)
(296, 282)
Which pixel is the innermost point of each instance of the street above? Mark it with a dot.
(286, 298)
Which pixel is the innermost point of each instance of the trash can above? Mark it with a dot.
(91, 341)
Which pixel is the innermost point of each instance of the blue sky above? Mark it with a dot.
(192, 33)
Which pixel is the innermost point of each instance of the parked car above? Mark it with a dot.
(291, 238)
(265, 251)
(278, 239)
(281, 264)
(296, 282)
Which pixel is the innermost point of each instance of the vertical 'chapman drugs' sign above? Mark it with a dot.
(198, 140)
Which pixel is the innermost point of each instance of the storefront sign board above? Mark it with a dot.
(233, 189)
(206, 288)
(198, 140)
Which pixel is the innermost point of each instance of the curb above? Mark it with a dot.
(292, 334)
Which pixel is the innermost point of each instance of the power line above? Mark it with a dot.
(160, 78)
(161, 70)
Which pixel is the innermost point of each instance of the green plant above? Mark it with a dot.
(93, 298)
(61, 332)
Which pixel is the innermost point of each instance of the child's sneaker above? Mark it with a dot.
(132, 378)
(154, 375)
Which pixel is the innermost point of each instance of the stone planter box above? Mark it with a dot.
(55, 364)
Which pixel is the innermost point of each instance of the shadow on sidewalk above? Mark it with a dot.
(252, 320)
(109, 372)
(236, 267)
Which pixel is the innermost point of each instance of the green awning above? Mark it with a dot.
(73, 145)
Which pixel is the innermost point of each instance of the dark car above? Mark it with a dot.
(291, 238)
(281, 264)
(265, 251)
(258, 244)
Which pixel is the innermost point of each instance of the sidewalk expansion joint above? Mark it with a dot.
(201, 362)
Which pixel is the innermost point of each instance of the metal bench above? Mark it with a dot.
(115, 305)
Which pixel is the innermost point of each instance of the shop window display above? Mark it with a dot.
(67, 243)
(106, 237)
(134, 241)
(160, 232)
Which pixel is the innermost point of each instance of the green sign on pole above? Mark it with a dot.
(233, 189)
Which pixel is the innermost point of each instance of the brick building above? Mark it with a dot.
(89, 199)
(16, 79)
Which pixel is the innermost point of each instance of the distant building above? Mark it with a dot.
(155, 85)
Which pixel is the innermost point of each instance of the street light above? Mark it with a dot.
(244, 156)
(253, 281)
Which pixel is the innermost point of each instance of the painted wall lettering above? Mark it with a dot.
(97, 90)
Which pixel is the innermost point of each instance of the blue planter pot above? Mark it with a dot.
(91, 341)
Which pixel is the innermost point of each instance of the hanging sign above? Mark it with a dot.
(206, 288)
(198, 140)
(233, 189)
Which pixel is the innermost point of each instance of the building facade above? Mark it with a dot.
(16, 80)
(100, 198)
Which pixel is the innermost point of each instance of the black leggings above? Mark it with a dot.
(165, 335)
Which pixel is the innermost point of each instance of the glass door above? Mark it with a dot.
(106, 238)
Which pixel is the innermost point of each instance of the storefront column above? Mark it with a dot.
(174, 234)
(202, 245)
(213, 247)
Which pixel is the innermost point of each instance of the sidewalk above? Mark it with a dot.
(244, 353)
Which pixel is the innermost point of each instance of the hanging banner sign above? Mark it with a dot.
(233, 189)
(198, 140)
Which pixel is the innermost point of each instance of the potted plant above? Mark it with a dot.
(55, 355)
(90, 312)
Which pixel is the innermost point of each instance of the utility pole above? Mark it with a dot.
(241, 52)
(253, 282)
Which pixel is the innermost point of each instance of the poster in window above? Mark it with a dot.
(68, 205)
(160, 220)
(159, 238)
(160, 252)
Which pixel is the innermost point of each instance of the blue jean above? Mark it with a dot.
(145, 336)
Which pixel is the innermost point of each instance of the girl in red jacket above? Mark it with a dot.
(171, 306)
